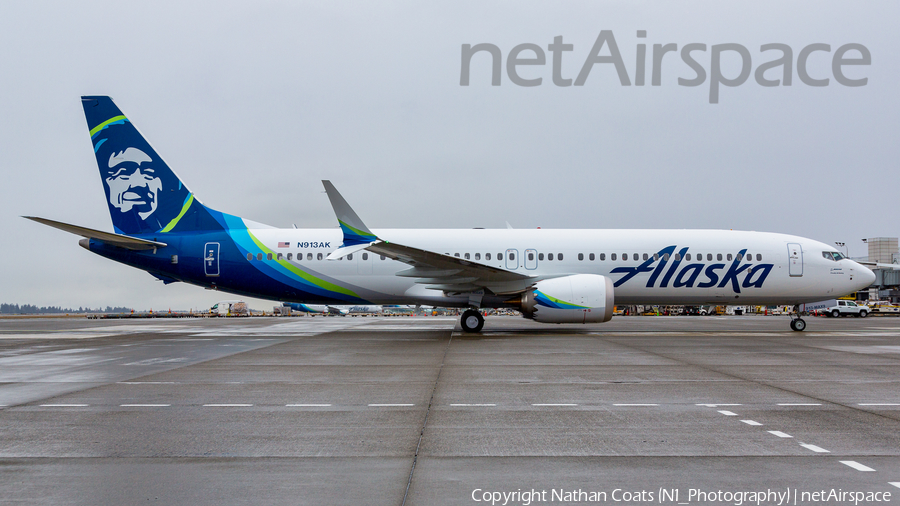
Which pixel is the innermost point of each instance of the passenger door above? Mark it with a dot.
(795, 259)
(211, 259)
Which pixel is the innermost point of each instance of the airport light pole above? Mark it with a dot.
(844, 245)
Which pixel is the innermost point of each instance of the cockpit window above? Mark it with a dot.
(833, 255)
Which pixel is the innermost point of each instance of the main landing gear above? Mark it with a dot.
(471, 321)
(797, 323)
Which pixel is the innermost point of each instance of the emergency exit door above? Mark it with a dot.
(531, 259)
(512, 262)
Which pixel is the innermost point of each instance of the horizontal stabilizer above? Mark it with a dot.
(122, 241)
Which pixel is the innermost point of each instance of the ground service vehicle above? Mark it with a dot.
(847, 308)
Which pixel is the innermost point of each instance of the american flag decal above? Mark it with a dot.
(284, 244)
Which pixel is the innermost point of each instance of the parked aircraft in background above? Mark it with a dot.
(331, 309)
(551, 276)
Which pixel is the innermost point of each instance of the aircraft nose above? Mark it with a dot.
(865, 275)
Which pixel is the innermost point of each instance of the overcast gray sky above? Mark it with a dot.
(253, 103)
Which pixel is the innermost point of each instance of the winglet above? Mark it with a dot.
(356, 232)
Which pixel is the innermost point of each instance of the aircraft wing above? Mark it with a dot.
(451, 274)
(435, 270)
(122, 241)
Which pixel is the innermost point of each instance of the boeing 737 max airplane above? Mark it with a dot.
(551, 276)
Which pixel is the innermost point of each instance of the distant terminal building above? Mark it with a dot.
(884, 250)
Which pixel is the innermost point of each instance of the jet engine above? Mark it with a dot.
(580, 298)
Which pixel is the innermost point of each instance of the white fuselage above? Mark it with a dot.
(690, 267)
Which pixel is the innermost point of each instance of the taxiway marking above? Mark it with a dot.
(856, 465)
(814, 448)
(751, 422)
(146, 383)
(778, 433)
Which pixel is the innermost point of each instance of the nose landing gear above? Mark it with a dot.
(797, 323)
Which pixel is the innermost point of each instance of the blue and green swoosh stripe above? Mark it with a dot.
(545, 300)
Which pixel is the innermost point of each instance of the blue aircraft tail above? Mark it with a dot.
(144, 195)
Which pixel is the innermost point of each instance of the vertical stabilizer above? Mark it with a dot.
(144, 195)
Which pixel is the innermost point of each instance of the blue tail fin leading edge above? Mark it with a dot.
(144, 195)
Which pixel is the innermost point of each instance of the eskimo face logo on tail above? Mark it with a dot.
(143, 194)
(132, 182)
(675, 268)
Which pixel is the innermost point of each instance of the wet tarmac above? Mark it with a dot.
(332, 410)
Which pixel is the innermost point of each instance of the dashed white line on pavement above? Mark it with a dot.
(751, 422)
(879, 404)
(799, 404)
(635, 404)
(227, 405)
(727, 413)
(144, 405)
(308, 405)
(856, 465)
(145, 383)
(895, 483)
(779, 433)
(389, 405)
(473, 405)
(717, 405)
(814, 448)
(552, 405)
(64, 405)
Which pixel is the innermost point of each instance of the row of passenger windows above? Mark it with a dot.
(487, 256)
(625, 256)
(551, 256)
(309, 256)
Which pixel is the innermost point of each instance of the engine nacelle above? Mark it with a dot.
(580, 298)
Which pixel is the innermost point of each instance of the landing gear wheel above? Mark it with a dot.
(471, 321)
(798, 325)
